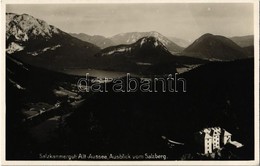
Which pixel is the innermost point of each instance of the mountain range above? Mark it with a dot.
(130, 38)
(147, 55)
(35, 42)
(246, 42)
(231, 46)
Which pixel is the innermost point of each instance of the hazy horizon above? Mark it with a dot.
(183, 20)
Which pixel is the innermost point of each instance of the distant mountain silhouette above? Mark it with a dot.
(243, 41)
(181, 42)
(98, 40)
(215, 47)
(131, 37)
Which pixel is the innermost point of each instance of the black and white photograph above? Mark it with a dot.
(128, 81)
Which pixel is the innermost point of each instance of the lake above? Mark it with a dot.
(95, 73)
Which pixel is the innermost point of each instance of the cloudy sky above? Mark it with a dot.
(187, 21)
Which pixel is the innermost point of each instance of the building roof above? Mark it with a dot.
(210, 132)
(216, 129)
(207, 130)
(226, 133)
(207, 136)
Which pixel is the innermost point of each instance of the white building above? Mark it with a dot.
(226, 137)
(212, 138)
(216, 131)
(207, 143)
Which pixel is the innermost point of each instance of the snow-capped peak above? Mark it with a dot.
(23, 27)
(154, 34)
(152, 41)
(132, 37)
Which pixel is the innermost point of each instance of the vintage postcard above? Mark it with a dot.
(95, 82)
